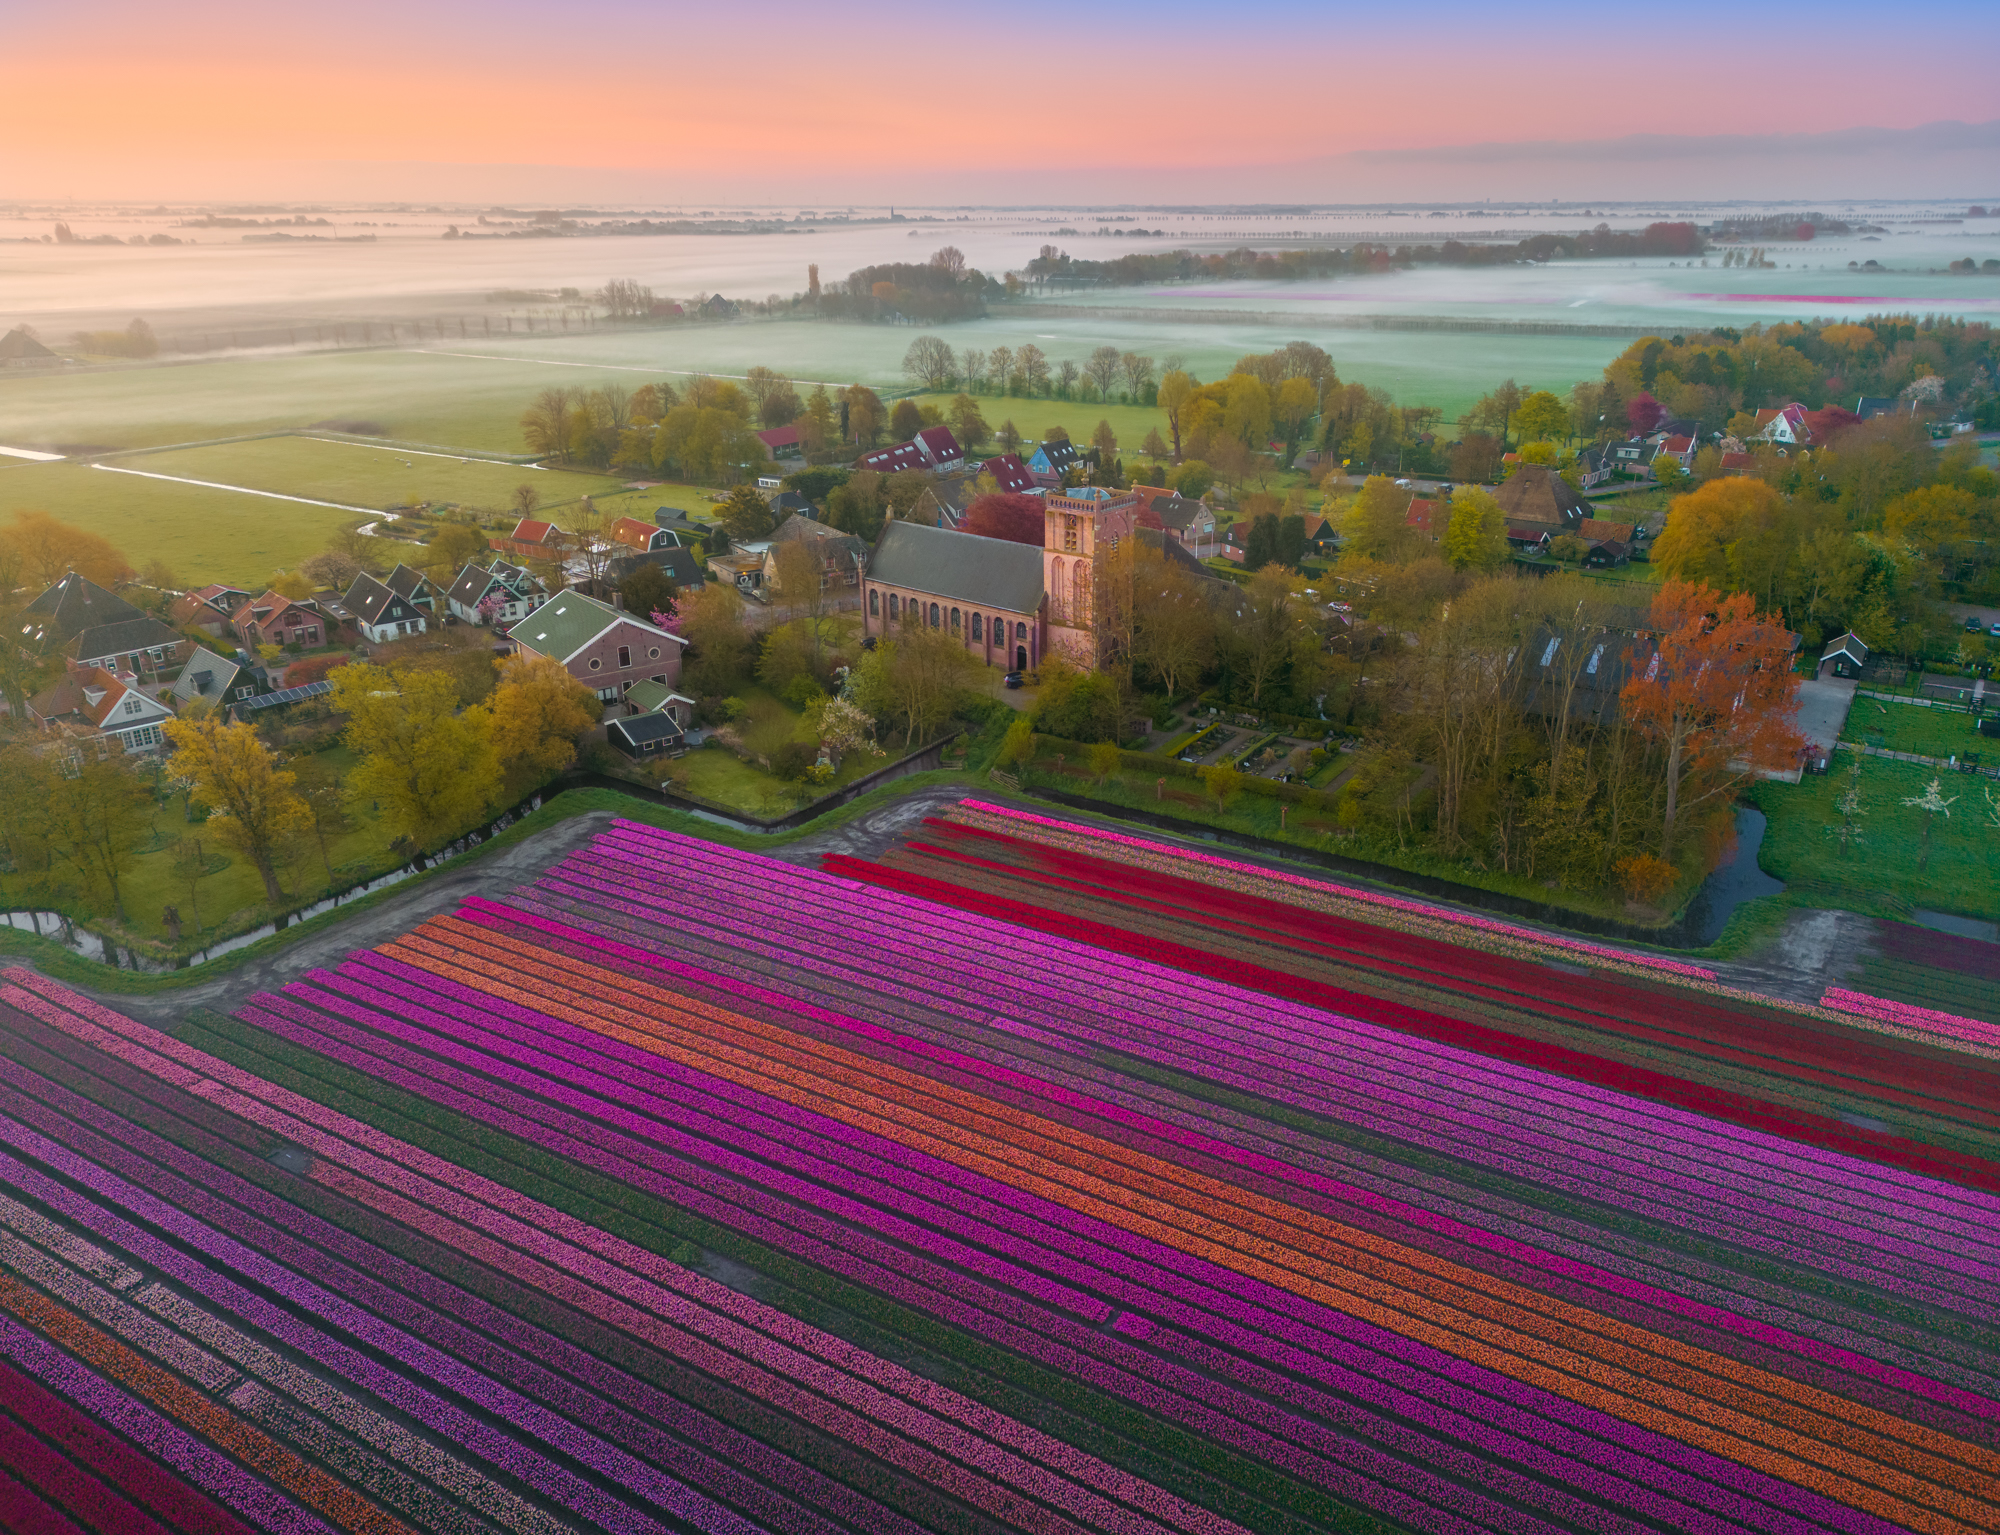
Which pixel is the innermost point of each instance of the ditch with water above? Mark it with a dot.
(1731, 883)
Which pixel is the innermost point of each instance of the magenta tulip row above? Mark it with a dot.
(630, 862)
(1444, 914)
(1072, 1461)
(889, 926)
(1926, 1019)
(1545, 1113)
(1315, 1345)
(202, 1466)
(1409, 1218)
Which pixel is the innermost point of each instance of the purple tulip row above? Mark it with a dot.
(859, 1410)
(510, 1455)
(1241, 1336)
(748, 1490)
(933, 1002)
(1066, 1458)
(1623, 1180)
(203, 1466)
(1306, 1033)
(756, 880)
(1084, 835)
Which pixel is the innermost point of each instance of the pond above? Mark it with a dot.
(1733, 882)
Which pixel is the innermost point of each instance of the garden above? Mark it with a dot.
(879, 1201)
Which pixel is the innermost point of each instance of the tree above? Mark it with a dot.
(857, 507)
(1542, 416)
(429, 765)
(1293, 406)
(745, 514)
(334, 570)
(1173, 625)
(191, 867)
(1733, 534)
(1931, 519)
(1155, 446)
(1009, 436)
(48, 549)
(96, 812)
(916, 677)
(1105, 759)
(712, 620)
(1268, 629)
(540, 712)
(1006, 514)
(1067, 373)
(906, 420)
(1568, 549)
(291, 583)
(1717, 699)
(1224, 780)
(1190, 478)
(1850, 808)
(647, 589)
(1102, 369)
(1475, 459)
(807, 596)
(1933, 804)
(1376, 523)
(843, 726)
(781, 407)
(545, 425)
(1105, 441)
(254, 803)
(526, 500)
(1643, 413)
(456, 545)
(1076, 705)
(1138, 371)
(1018, 745)
(1033, 366)
(972, 364)
(968, 425)
(1001, 360)
(1476, 536)
(1177, 389)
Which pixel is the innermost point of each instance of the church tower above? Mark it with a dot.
(1079, 526)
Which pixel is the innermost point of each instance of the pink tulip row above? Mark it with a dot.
(702, 1315)
(1097, 838)
(1923, 1020)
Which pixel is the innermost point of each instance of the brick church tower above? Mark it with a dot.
(1079, 526)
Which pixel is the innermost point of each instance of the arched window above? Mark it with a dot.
(978, 631)
(934, 615)
(1020, 631)
(954, 620)
(1057, 591)
(874, 602)
(895, 605)
(1079, 594)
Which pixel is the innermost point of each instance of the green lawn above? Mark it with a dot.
(1963, 874)
(1909, 728)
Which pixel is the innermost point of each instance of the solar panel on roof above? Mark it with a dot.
(288, 696)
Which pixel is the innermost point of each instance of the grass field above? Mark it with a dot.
(206, 534)
(1033, 418)
(1909, 728)
(1963, 875)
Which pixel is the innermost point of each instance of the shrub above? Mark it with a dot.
(1078, 706)
(1105, 758)
(1223, 781)
(1019, 745)
(1645, 878)
(793, 760)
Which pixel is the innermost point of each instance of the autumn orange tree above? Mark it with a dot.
(1716, 698)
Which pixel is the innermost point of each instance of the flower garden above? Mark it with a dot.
(1028, 1177)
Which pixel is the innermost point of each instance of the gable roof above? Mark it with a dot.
(106, 710)
(529, 531)
(1849, 645)
(984, 572)
(650, 696)
(1422, 515)
(1677, 445)
(71, 606)
(937, 444)
(633, 533)
(1057, 452)
(780, 437)
(683, 566)
(1175, 511)
(1591, 528)
(569, 621)
(206, 675)
(405, 582)
(640, 729)
(1009, 473)
(903, 455)
(18, 346)
(475, 581)
(373, 603)
(1535, 493)
(122, 637)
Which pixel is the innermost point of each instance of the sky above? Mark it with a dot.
(1035, 103)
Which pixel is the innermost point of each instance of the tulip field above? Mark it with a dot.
(1020, 1179)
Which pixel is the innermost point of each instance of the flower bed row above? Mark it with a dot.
(1911, 1017)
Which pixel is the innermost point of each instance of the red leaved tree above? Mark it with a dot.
(1006, 514)
(1643, 413)
(1717, 697)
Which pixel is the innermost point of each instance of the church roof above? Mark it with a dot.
(983, 572)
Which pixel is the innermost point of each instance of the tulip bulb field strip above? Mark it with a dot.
(1028, 1177)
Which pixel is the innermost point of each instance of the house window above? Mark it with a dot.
(653, 654)
(595, 663)
(609, 695)
(874, 603)
(624, 655)
(133, 706)
(977, 632)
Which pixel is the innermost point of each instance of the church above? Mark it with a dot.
(1010, 604)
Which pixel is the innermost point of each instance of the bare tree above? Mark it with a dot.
(972, 364)
(1138, 372)
(931, 363)
(1102, 369)
(545, 425)
(951, 261)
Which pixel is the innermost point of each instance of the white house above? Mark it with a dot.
(380, 613)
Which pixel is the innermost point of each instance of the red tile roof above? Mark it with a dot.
(1011, 474)
(1423, 514)
(780, 437)
(902, 455)
(633, 533)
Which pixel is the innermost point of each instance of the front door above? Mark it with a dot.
(1020, 658)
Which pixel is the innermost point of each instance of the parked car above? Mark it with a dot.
(1974, 624)
(1011, 680)
(1995, 631)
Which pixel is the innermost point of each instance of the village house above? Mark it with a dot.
(940, 449)
(1739, 464)
(275, 620)
(945, 502)
(91, 704)
(499, 594)
(212, 679)
(1428, 516)
(1052, 461)
(415, 588)
(533, 539)
(69, 608)
(18, 349)
(843, 557)
(901, 455)
(1595, 465)
(781, 442)
(143, 645)
(1678, 448)
(208, 609)
(1010, 474)
(1786, 425)
(687, 533)
(1188, 523)
(1539, 506)
(379, 614)
(604, 649)
(630, 533)
(1633, 456)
